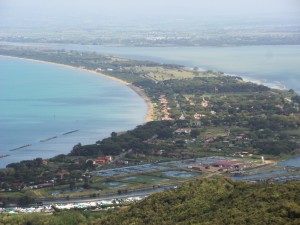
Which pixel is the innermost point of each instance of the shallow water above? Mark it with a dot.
(180, 174)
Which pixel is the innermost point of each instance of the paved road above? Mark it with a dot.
(143, 192)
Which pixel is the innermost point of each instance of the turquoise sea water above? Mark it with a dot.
(39, 101)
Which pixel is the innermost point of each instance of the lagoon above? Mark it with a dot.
(277, 66)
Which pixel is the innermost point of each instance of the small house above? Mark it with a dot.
(224, 164)
(103, 160)
(182, 131)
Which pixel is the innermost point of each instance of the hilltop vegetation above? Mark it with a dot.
(207, 201)
(216, 201)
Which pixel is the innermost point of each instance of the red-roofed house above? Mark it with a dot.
(103, 160)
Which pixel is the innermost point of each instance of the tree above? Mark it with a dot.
(195, 133)
(113, 134)
(76, 174)
(27, 198)
(76, 149)
(89, 165)
(72, 184)
(165, 133)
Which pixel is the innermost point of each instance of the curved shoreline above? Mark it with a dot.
(139, 91)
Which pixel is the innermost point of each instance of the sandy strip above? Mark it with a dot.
(139, 91)
(150, 111)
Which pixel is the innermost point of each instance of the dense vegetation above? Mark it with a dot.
(72, 217)
(216, 202)
(208, 201)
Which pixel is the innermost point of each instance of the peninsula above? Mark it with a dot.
(203, 124)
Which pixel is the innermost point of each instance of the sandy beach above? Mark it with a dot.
(139, 91)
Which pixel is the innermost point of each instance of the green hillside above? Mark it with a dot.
(207, 201)
(216, 201)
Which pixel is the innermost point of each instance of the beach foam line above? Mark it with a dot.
(274, 85)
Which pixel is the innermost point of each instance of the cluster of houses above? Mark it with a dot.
(243, 154)
(198, 116)
(97, 205)
(44, 185)
(190, 102)
(183, 131)
(101, 70)
(221, 166)
(204, 102)
(165, 110)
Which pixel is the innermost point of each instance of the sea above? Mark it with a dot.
(46, 109)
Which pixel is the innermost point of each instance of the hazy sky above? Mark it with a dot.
(30, 12)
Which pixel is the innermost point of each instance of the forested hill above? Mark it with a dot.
(206, 201)
(216, 201)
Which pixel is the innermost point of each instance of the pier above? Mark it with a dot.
(48, 139)
(4, 156)
(70, 132)
(23, 146)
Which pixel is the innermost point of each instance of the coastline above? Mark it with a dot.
(139, 91)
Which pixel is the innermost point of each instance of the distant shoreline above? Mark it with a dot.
(139, 91)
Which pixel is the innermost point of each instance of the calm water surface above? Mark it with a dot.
(39, 101)
(273, 65)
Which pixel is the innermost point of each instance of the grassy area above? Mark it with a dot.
(11, 195)
(214, 132)
(295, 132)
(161, 74)
(158, 73)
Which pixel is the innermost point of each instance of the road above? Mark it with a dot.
(143, 192)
